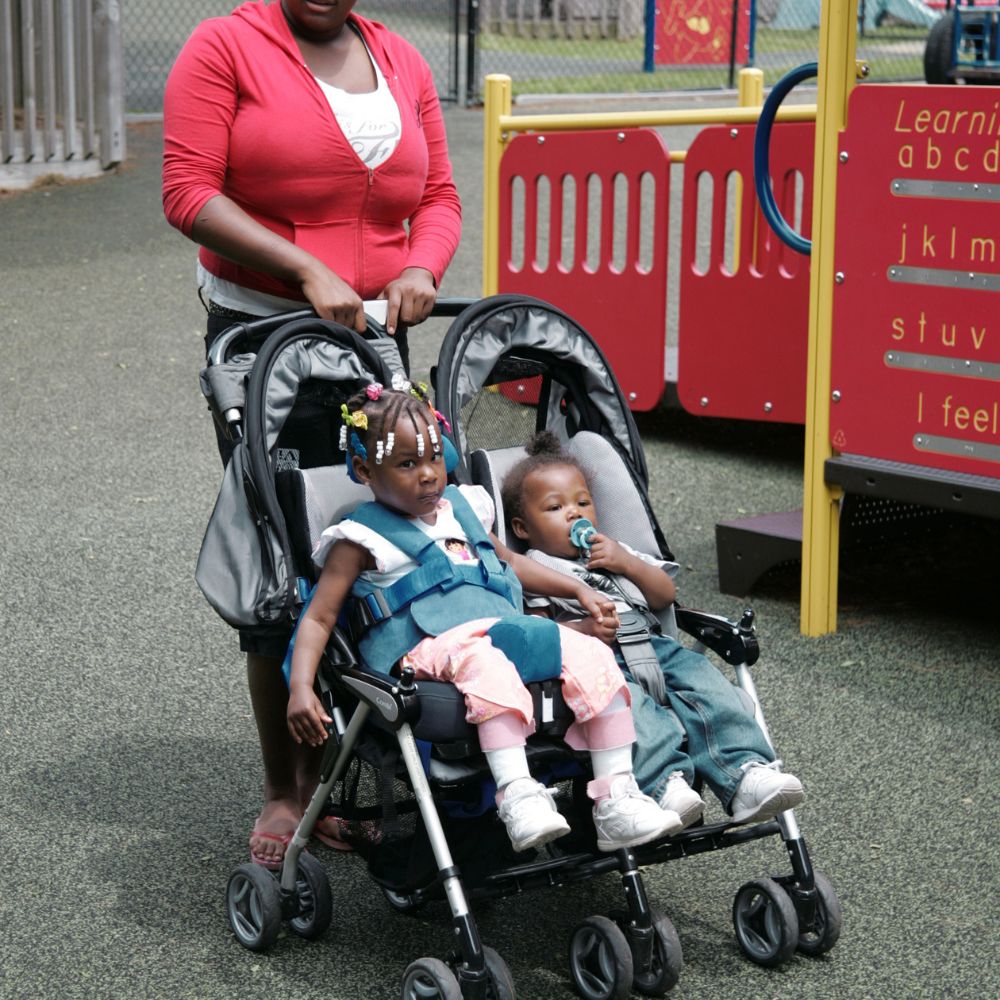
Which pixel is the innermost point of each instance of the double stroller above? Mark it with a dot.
(402, 770)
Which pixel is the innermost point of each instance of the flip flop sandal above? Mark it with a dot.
(331, 835)
(269, 861)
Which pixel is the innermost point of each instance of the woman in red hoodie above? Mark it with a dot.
(305, 151)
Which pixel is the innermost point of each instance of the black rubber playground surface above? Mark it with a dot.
(129, 775)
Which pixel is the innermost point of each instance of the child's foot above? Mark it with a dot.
(272, 832)
(626, 817)
(764, 791)
(682, 799)
(530, 815)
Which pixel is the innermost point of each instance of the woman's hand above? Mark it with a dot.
(411, 298)
(307, 718)
(333, 298)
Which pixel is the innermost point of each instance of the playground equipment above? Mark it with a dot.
(900, 389)
(576, 210)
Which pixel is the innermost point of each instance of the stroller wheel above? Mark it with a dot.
(667, 958)
(430, 979)
(767, 927)
(501, 985)
(253, 905)
(600, 960)
(314, 900)
(819, 936)
(402, 902)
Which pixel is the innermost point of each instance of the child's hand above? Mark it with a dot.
(606, 630)
(607, 554)
(597, 605)
(306, 717)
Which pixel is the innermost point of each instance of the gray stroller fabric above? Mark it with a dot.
(541, 329)
(244, 567)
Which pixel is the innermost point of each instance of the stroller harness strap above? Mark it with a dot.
(393, 620)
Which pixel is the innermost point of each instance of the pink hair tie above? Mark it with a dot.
(441, 418)
(373, 390)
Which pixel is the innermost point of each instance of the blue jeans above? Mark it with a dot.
(722, 735)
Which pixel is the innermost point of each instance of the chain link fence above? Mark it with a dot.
(153, 33)
(574, 46)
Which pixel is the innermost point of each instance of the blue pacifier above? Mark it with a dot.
(581, 531)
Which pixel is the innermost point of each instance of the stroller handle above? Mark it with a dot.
(260, 329)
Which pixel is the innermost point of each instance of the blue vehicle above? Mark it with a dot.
(964, 44)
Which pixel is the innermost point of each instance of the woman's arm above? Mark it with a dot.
(224, 228)
(199, 108)
(306, 716)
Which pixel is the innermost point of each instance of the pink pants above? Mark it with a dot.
(465, 656)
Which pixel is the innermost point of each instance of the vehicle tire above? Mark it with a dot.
(937, 52)
(253, 905)
(600, 960)
(822, 934)
(430, 979)
(501, 985)
(315, 902)
(767, 927)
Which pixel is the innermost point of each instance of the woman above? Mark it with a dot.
(305, 151)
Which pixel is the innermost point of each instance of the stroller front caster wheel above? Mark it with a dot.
(253, 905)
(315, 904)
(767, 927)
(501, 984)
(667, 958)
(600, 960)
(430, 979)
(821, 934)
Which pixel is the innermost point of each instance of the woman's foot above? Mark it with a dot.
(272, 832)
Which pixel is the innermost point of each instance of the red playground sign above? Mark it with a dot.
(916, 314)
(700, 32)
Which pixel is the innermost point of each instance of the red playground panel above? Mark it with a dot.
(583, 225)
(744, 295)
(916, 325)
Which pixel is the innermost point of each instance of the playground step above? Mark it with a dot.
(883, 501)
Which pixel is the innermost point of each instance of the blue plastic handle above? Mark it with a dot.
(762, 157)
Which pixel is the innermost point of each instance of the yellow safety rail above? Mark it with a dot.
(499, 125)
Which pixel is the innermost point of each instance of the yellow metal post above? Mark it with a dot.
(750, 87)
(497, 104)
(820, 511)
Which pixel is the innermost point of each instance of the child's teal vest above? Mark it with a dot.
(437, 596)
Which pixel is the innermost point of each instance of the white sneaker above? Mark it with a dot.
(764, 791)
(682, 799)
(627, 817)
(530, 815)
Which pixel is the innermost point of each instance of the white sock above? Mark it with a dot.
(510, 763)
(617, 760)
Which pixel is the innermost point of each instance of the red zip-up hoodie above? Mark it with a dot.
(244, 117)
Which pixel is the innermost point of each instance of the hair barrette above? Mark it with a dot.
(373, 390)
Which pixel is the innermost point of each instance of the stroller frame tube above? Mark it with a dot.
(305, 828)
(472, 973)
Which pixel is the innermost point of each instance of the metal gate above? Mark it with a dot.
(60, 87)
